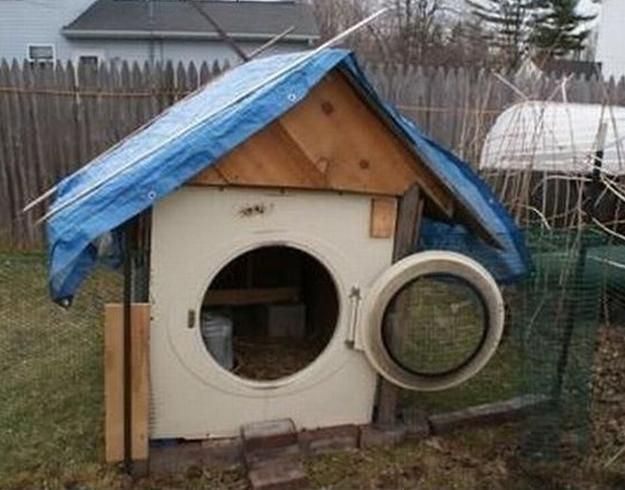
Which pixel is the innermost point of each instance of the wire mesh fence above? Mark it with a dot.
(51, 359)
(548, 351)
(51, 363)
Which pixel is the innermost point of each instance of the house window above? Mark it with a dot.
(89, 60)
(41, 53)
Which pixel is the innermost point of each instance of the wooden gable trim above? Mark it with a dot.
(334, 141)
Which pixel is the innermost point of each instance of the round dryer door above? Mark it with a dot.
(432, 321)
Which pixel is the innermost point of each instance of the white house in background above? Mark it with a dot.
(611, 41)
(153, 30)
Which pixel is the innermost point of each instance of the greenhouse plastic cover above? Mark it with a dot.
(551, 136)
(164, 163)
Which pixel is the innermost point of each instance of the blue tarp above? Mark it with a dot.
(73, 232)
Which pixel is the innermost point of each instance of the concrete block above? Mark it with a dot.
(329, 439)
(270, 434)
(416, 424)
(492, 413)
(176, 459)
(371, 437)
(222, 452)
(278, 475)
(261, 455)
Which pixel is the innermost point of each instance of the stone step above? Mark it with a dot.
(273, 456)
(270, 434)
(278, 474)
(261, 455)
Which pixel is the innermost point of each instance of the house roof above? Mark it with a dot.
(176, 19)
(200, 131)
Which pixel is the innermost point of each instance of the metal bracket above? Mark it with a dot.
(355, 297)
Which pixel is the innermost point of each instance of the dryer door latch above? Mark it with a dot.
(191, 319)
(355, 297)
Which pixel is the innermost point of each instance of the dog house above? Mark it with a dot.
(294, 250)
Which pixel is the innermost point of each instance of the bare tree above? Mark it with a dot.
(334, 16)
(416, 29)
(413, 32)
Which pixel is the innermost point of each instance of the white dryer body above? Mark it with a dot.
(195, 233)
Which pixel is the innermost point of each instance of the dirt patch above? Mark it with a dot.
(608, 408)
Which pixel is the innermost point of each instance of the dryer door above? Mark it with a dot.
(432, 321)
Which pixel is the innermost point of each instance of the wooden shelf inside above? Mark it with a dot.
(255, 296)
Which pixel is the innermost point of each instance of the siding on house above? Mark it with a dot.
(24, 22)
(159, 50)
(86, 28)
(611, 39)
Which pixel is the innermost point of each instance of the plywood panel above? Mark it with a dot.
(140, 387)
(269, 159)
(336, 128)
(114, 381)
(383, 217)
(210, 176)
(331, 141)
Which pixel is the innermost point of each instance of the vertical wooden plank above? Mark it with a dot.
(5, 230)
(35, 167)
(167, 85)
(181, 82)
(100, 119)
(21, 150)
(193, 77)
(205, 73)
(59, 126)
(140, 381)
(125, 104)
(48, 149)
(90, 111)
(71, 132)
(383, 217)
(8, 164)
(408, 224)
(114, 382)
(136, 101)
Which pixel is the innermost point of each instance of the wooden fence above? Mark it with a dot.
(53, 119)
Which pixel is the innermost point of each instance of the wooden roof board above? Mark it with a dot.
(332, 140)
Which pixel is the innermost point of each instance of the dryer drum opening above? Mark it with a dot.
(269, 313)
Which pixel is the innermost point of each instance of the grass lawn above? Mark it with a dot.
(51, 369)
